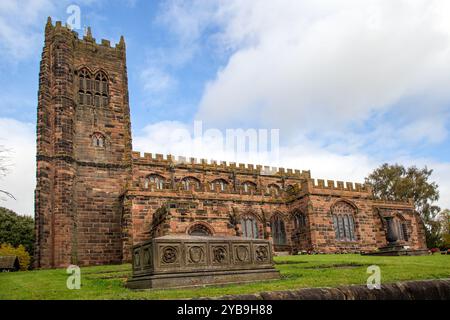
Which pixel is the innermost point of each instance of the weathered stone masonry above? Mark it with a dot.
(95, 197)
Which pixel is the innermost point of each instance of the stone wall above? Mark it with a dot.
(297, 194)
(408, 290)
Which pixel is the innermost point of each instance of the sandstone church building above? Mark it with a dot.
(95, 197)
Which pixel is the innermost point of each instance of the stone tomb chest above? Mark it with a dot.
(183, 261)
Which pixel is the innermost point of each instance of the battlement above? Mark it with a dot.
(204, 164)
(51, 29)
(381, 202)
(339, 185)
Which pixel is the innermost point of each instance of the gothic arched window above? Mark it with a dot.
(278, 231)
(84, 87)
(273, 189)
(190, 182)
(343, 221)
(101, 90)
(248, 187)
(98, 140)
(92, 90)
(199, 230)
(249, 227)
(155, 180)
(219, 184)
(299, 221)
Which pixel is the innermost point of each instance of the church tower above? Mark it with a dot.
(83, 149)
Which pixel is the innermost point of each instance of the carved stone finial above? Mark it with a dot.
(88, 35)
(48, 26)
(121, 43)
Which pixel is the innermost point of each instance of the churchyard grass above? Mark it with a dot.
(106, 282)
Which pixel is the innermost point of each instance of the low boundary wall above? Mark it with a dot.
(408, 290)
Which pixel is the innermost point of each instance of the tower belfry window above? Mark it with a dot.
(84, 87)
(93, 90)
(101, 89)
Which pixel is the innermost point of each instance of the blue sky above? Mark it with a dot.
(149, 41)
(350, 84)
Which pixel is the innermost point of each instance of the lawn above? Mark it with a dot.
(106, 282)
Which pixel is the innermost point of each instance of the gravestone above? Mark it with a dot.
(184, 261)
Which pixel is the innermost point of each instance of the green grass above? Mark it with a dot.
(106, 282)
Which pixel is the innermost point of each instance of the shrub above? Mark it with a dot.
(16, 229)
(24, 257)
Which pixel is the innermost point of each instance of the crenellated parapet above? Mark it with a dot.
(150, 159)
(87, 41)
(332, 187)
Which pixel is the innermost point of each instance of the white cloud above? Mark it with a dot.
(177, 138)
(433, 129)
(329, 63)
(19, 139)
(21, 26)
(156, 80)
(350, 75)
(441, 175)
(162, 138)
(22, 23)
(188, 19)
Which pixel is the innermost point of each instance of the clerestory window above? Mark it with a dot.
(155, 180)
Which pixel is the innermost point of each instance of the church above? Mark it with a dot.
(95, 197)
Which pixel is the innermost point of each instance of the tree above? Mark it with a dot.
(444, 219)
(395, 182)
(16, 230)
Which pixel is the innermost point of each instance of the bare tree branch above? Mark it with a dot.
(3, 158)
(8, 194)
(4, 168)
